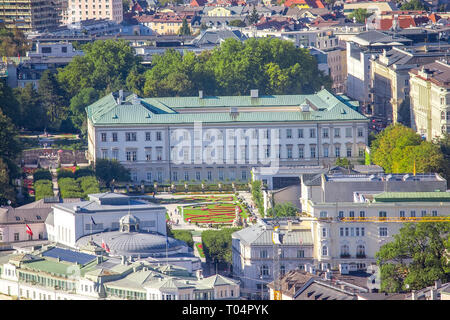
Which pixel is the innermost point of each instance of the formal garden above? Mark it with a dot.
(213, 210)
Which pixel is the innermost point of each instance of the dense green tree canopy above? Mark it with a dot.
(52, 100)
(78, 104)
(8, 102)
(104, 67)
(217, 244)
(280, 210)
(13, 42)
(414, 5)
(32, 114)
(273, 66)
(185, 30)
(110, 171)
(416, 257)
(360, 15)
(397, 148)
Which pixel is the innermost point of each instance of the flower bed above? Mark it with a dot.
(200, 249)
(214, 213)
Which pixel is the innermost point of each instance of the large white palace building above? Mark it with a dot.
(220, 138)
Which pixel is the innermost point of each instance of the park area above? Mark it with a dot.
(214, 213)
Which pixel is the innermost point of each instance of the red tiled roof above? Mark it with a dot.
(198, 3)
(310, 3)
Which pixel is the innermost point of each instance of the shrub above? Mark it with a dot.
(43, 189)
(69, 188)
(89, 184)
(183, 235)
(83, 173)
(64, 173)
(42, 174)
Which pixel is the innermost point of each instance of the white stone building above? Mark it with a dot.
(356, 214)
(69, 222)
(253, 253)
(221, 138)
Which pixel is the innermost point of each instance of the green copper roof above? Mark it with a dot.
(136, 111)
(412, 197)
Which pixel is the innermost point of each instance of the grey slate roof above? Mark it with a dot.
(217, 36)
(259, 235)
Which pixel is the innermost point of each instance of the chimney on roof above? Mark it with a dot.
(254, 93)
(437, 284)
(413, 295)
(199, 274)
(120, 99)
(200, 94)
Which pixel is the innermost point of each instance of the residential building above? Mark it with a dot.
(13, 221)
(253, 253)
(360, 50)
(320, 285)
(47, 56)
(390, 76)
(56, 273)
(356, 214)
(371, 6)
(29, 15)
(166, 23)
(67, 223)
(232, 134)
(430, 99)
(79, 10)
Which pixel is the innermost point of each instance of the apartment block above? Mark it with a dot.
(29, 15)
(430, 99)
(79, 10)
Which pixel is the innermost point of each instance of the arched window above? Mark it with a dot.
(345, 250)
(324, 250)
(444, 129)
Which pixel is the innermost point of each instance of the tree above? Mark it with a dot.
(32, 115)
(253, 18)
(8, 102)
(111, 171)
(237, 23)
(13, 42)
(104, 67)
(271, 65)
(397, 148)
(7, 192)
(183, 235)
(414, 5)
(217, 245)
(78, 104)
(52, 100)
(185, 30)
(286, 209)
(360, 15)
(416, 257)
(343, 162)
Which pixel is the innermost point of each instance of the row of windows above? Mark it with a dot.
(209, 175)
(381, 214)
(360, 251)
(299, 254)
(29, 236)
(352, 232)
(132, 155)
(130, 136)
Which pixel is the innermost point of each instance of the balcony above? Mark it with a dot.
(360, 255)
(345, 255)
